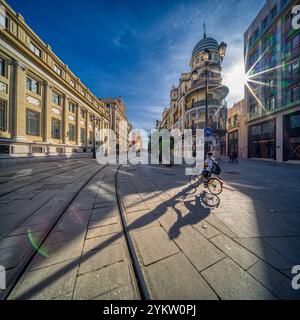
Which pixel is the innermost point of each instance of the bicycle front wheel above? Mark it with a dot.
(194, 181)
(215, 186)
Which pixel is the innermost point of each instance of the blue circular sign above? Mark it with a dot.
(207, 132)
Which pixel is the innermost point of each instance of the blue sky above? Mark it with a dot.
(138, 49)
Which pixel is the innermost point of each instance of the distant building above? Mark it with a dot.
(237, 130)
(166, 121)
(272, 55)
(117, 110)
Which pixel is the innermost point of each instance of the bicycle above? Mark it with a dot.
(213, 184)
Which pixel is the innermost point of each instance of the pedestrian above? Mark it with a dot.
(235, 158)
(230, 157)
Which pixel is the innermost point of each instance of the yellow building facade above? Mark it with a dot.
(45, 109)
(237, 130)
(118, 121)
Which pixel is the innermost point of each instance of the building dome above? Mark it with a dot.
(205, 43)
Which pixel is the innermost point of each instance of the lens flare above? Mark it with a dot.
(35, 242)
(76, 216)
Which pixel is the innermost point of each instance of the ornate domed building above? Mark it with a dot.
(202, 89)
(206, 70)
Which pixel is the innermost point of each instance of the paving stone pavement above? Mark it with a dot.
(85, 255)
(242, 249)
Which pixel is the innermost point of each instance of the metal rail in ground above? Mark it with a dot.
(144, 293)
(5, 293)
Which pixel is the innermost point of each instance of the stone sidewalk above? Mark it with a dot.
(242, 249)
(85, 255)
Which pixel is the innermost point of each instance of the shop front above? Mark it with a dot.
(262, 140)
(291, 136)
(233, 142)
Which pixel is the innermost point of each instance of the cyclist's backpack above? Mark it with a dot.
(216, 169)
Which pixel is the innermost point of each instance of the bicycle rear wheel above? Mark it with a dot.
(194, 181)
(215, 186)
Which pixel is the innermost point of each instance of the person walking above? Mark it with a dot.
(235, 158)
(230, 157)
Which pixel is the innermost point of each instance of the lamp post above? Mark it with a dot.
(95, 121)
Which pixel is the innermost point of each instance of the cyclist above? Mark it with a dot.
(208, 166)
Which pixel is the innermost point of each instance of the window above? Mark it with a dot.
(55, 129)
(273, 12)
(2, 67)
(57, 69)
(32, 85)
(72, 83)
(271, 103)
(255, 130)
(293, 94)
(229, 123)
(265, 22)
(82, 135)
(267, 127)
(2, 116)
(235, 121)
(294, 121)
(55, 98)
(256, 34)
(295, 42)
(72, 107)
(283, 3)
(71, 132)
(294, 66)
(82, 114)
(35, 50)
(2, 18)
(32, 123)
(271, 82)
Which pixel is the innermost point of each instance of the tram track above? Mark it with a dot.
(31, 180)
(133, 264)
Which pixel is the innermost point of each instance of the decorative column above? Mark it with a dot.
(65, 122)
(17, 100)
(46, 112)
(77, 124)
(86, 128)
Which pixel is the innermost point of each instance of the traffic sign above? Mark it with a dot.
(207, 132)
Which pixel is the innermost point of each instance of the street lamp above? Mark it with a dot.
(95, 121)
(195, 75)
(222, 50)
(206, 57)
